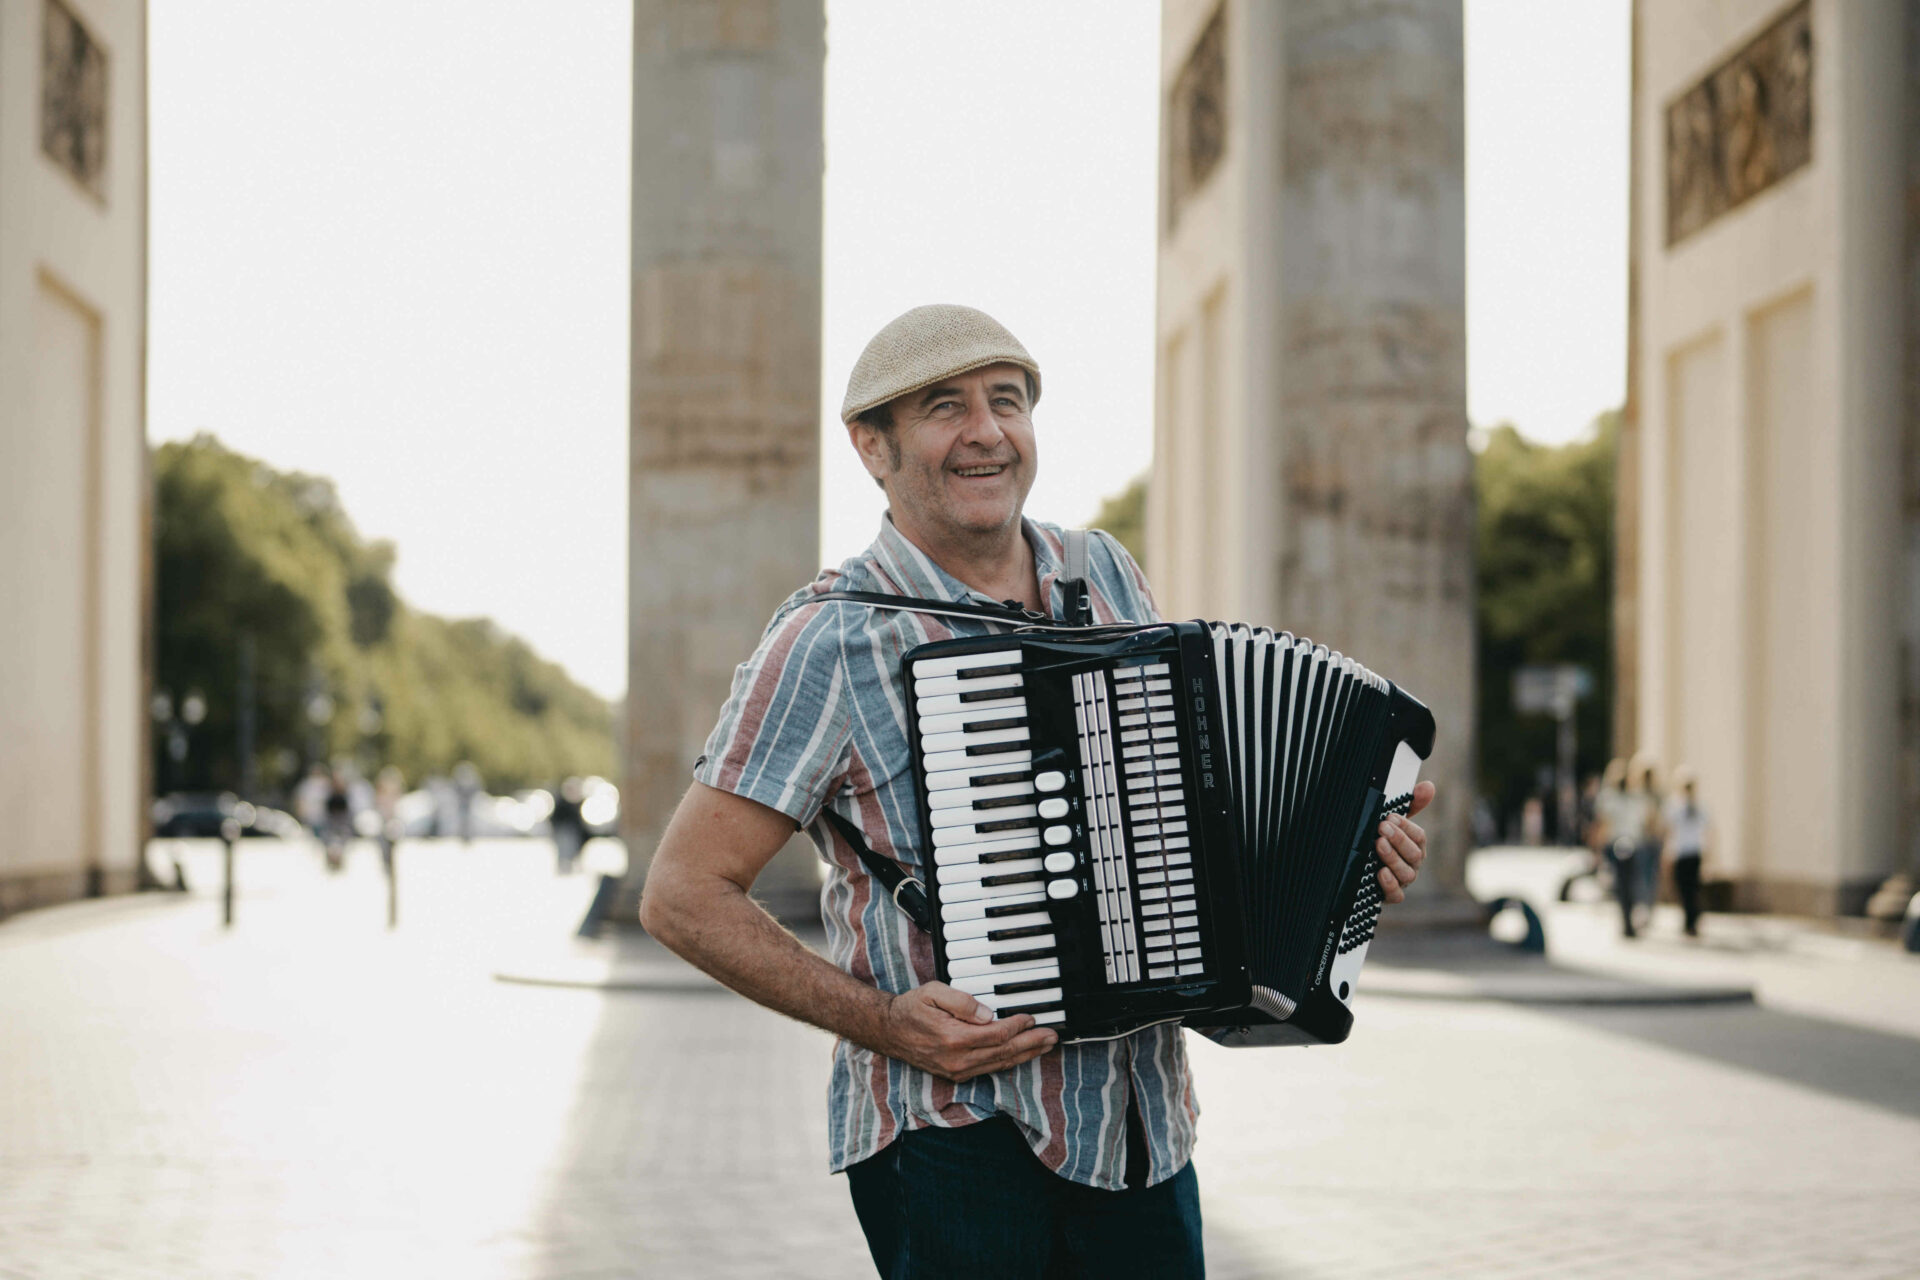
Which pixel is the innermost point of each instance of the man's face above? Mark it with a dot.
(960, 456)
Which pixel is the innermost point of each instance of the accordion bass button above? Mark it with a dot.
(1052, 780)
(1062, 889)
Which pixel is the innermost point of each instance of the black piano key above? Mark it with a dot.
(999, 909)
(1010, 855)
(1004, 802)
(988, 695)
(1022, 877)
(981, 673)
(1033, 984)
(1034, 1008)
(984, 726)
(1008, 824)
(995, 779)
(994, 749)
(1027, 931)
(1021, 957)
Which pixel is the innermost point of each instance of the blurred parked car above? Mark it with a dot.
(187, 814)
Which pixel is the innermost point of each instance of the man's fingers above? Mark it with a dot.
(956, 1002)
(1422, 797)
(1024, 1047)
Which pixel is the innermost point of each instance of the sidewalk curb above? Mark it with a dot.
(1562, 987)
(672, 983)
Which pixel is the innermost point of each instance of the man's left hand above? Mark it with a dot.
(1402, 846)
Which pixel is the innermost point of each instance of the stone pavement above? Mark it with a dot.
(309, 1095)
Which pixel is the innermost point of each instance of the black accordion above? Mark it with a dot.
(1169, 822)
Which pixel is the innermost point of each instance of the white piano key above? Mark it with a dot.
(1011, 682)
(1051, 780)
(976, 908)
(970, 773)
(981, 927)
(1186, 922)
(971, 890)
(960, 797)
(1192, 970)
(1145, 876)
(1127, 673)
(1050, 1017)
(975, 984)
(1153, 908)
(944, 703)
(1188, 939)
(977, 766)
(1057, 835)
(1189, 953)
(925, 667)
(972, 817)
(1060, 863)
(1014, 999)
(1163, 971)
(962, 872)
(963, 721)
(946, 836)
(1061, 890)
(1153, 893)
(1156, 669)
(1158, 926)
(1053, 807)
(979, 966)
(933, 744)
(972, 948)
(954, 854)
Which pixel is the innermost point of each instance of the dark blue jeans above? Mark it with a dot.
(975, 1202)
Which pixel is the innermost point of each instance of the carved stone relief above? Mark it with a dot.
(1747, 124)
(1197, 115)
(73, 97)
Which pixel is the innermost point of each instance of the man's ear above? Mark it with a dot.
(871, 448)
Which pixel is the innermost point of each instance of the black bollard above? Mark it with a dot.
(229, 836)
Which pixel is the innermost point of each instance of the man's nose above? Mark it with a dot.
(981, 426)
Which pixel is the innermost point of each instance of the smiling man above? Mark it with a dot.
(973, 1146)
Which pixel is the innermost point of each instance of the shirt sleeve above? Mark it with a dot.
(1129, 582)
(783, 734)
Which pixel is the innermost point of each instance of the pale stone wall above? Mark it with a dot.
(727, 158)
(1768, 343)
(72, 469)
(1311, 469)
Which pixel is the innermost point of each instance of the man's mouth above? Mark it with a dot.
(985, 469)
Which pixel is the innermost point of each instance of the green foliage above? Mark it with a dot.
(1124, 515)
(1545, 594)
(244, 552)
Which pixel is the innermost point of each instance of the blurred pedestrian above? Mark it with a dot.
(388, 789)
(1622, 819)
(1643, 779)
(337, 829)
(1688, 829)
(569, 826)
(466, 785)
(310, 799)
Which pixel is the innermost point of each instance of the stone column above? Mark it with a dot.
(1377, 527)
(724, 485)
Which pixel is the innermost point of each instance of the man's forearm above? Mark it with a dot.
(714, 925)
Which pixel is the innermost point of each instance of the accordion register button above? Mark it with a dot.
(1059, 862)
(1062, 889)
(1057, 835)
(1054, 808)
(1052, 780)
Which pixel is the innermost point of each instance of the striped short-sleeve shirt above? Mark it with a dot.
(818, 717)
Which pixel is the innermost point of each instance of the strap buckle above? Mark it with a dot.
(904, 882)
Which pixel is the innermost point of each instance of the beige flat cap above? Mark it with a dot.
(923, 346)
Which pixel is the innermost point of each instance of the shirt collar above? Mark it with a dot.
(915, 574)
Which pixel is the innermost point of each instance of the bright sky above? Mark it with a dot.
(389, 245)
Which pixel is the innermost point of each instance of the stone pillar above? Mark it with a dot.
(724, 486)
(1377, 530)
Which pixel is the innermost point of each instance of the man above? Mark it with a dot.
(973, 1146)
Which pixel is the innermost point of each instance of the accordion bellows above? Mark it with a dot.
(1141, 824)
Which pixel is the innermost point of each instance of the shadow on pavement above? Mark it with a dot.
(1855, 1063)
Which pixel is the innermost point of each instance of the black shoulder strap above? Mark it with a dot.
(1074, 583)
(908, 893)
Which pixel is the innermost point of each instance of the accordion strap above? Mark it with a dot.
(907, 892)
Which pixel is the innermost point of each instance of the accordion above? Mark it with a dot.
(1147, 824)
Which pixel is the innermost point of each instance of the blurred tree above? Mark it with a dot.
(244, 549)
(1544, 595)
(1124, 515)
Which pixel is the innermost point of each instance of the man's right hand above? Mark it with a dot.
(946, 1031)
